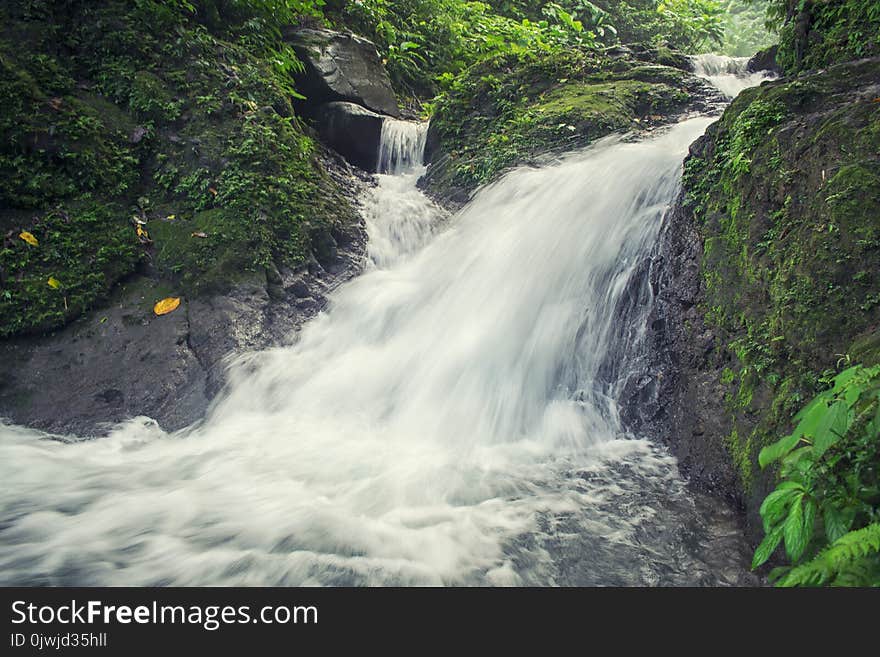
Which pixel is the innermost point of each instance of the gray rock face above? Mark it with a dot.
(351, 131)
(678, 399)
(342, 67)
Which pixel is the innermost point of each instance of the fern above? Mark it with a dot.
(852, 560)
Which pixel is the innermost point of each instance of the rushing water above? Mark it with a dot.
(729, 75)
(446, 421)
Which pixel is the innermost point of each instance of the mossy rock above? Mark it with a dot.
(119, 111)
(785, 191)
(84, 248)
(510, 109)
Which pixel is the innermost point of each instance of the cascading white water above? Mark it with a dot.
(729, 75)
(444, 422)
(401, 146)
(399, 217)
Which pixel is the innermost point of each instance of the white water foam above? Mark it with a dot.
(729, 75)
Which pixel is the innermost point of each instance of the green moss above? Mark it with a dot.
(148, 115)
(151, 99)
(84, 246)
(509, 109)
(741, 454)
(839, 31)
(866, 349)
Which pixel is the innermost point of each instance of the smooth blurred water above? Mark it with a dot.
(446, 421)
(728, 74)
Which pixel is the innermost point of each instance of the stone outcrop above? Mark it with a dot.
(342, 67)
(352, 131)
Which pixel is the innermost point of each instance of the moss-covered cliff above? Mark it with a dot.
(147, 150)
(774, 268)
(818, 33)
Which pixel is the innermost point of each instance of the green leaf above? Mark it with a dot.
(834, 425)
(767, 546)
(836, 524)
(811, 415)
(843, 379)
(775, 505)
(777, 450)
(793, 532)
(810, 509)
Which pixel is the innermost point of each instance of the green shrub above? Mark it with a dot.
(826, 507)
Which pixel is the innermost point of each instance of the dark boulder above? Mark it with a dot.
(342, 67)
(765, 60)
(352, 131)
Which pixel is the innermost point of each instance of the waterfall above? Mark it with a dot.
(729, 75)
(445, 421)
(401, 146)
(399, 218)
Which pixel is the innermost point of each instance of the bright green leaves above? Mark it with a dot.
(788, 515)
(828, 470)
(826, 419)
(767, 546)
(778, 449)
(833, 426)
(776, 504)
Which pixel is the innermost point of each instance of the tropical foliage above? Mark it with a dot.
(816, 34)
(826, 507)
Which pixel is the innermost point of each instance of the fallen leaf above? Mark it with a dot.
(212, 190)
(54, 283)
(170, 217)
(55, 103)
(27, 237)
(165, 306)
(877, 100)
(143, 235)
(200, 234)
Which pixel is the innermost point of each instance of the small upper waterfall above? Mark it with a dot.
(402, 146)
(730, 75)
(399, 217)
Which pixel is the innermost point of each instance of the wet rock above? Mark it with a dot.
(352, 131)
(299, 289)
(342, 67)
(765, 60)
(691, 410)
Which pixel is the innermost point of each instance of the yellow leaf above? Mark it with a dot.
(165, 306)
(27, 237)
(54, 283)
(170, 217)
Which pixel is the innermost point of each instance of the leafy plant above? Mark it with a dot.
(826, 507)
